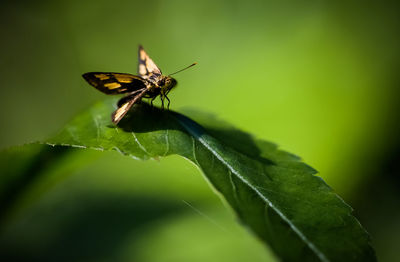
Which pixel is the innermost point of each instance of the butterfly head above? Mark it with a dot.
(167, 84)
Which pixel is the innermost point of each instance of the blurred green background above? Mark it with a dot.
(319, 78)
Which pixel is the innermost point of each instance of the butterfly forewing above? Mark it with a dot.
(147, 67)
(114, 83)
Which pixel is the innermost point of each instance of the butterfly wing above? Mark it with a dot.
(129, 97)
(114, 83)
(147, 67)
(125, 104)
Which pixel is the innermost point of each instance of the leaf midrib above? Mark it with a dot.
(199, 138)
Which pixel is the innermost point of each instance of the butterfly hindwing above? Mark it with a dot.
(129, 97)
(114, 83)
(147, 67)
(125, 104)
(118, 114)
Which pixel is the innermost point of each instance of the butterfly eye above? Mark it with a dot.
(173, 82)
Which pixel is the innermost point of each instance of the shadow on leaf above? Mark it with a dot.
(144, 118)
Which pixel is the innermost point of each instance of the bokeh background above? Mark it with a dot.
(319, 78)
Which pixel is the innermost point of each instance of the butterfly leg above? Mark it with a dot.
(151, 102)
(162, 102)
(169, 102)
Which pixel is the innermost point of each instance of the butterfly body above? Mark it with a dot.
(149, 83)
(160, 86)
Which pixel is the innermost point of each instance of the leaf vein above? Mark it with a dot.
(194, 133)
(139, 144)
(166, 142)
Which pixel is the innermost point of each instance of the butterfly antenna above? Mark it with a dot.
(183, 69)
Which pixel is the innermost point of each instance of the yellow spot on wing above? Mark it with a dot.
(124, 79)
(102, 76)
(112, 85)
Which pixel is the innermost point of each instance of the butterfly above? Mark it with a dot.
(149, 83)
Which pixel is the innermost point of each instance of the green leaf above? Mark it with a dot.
(275, 195)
